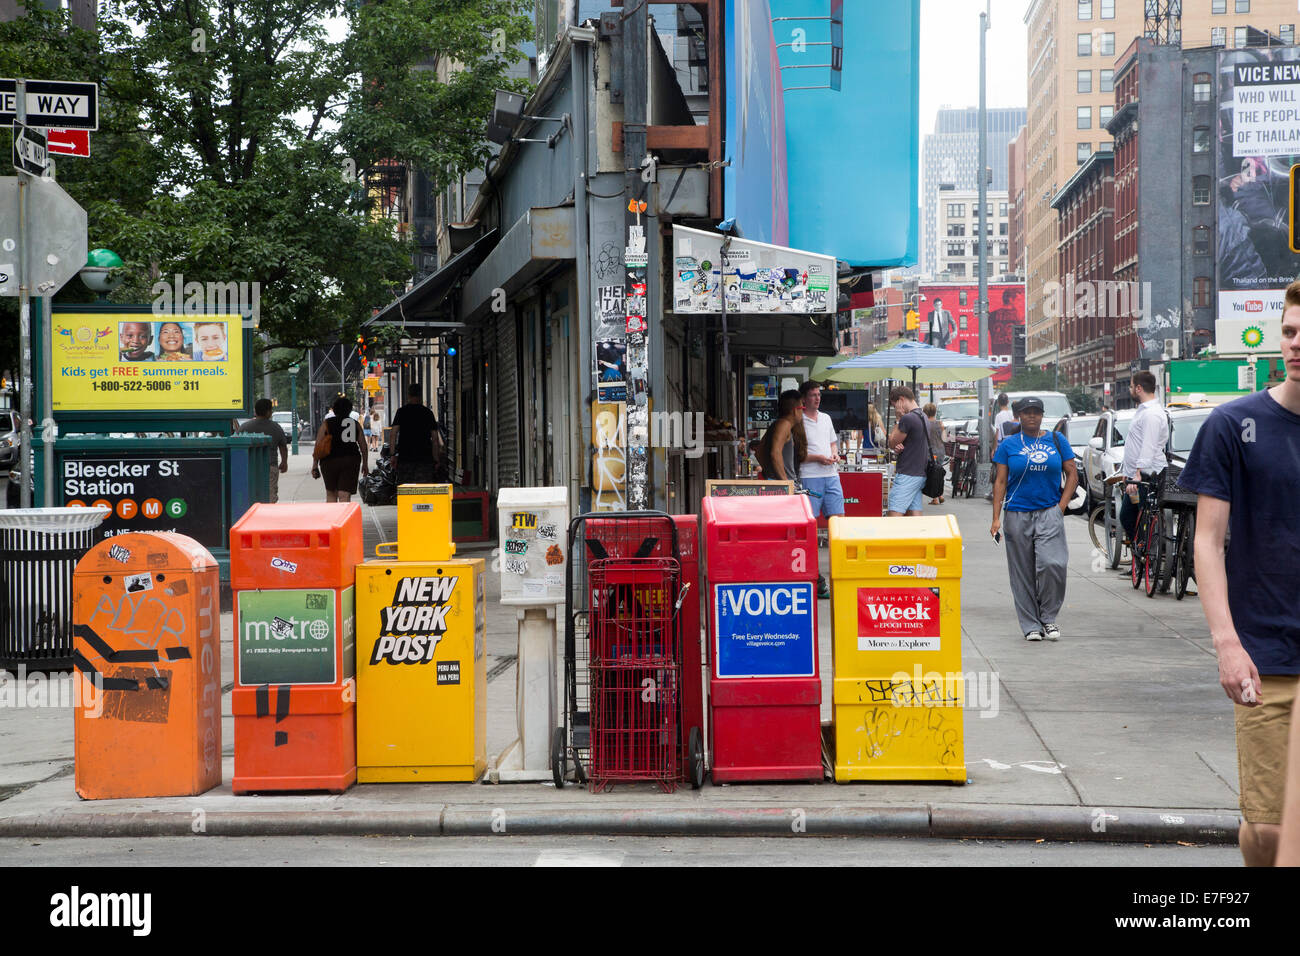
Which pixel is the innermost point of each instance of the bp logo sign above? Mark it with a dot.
(287, 637)
(1252, 336)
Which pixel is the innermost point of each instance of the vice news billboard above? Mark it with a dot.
(1258, 141)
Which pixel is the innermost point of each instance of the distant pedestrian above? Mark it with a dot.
(417, 441)
(1243, 467)
(911, 439)
(1144, 449)
(261, 424)
(1003, 417)
(1028, 485)
(338, 465)
(376, 429)
(936, 438)
(818, 472)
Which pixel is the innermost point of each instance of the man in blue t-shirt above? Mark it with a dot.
(1243, 468)
(1027, 485)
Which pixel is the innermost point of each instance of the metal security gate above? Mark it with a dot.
(36, 568)
(508, 443)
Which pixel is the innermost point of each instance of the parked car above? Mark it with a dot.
(285, 421)
(1184, 425)
(1105, 451)
(958, 416)
(10, 438)
(1055, 406)
(1077, 431)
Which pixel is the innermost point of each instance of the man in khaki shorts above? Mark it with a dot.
(1243, 468)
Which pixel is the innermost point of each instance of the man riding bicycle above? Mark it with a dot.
(1144, 450)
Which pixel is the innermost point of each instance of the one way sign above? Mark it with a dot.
(30, 154)
(57, 103)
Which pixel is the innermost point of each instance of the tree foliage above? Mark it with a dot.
(235, 137)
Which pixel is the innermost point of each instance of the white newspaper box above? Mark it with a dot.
(533, 526)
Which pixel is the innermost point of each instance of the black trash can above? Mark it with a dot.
(39, 551)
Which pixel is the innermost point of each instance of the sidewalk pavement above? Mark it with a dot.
(1118, 732)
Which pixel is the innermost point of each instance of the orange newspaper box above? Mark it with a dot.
(147, 649)
(292, 570)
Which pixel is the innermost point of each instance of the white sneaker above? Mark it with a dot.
(1052, 631)
(1034, 636)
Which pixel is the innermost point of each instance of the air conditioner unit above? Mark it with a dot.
(1172, 348)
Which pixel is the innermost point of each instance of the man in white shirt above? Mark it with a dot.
(1003, 417)
(1144, 447)
(818, 472)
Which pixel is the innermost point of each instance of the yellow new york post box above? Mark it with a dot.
(898, 684)
(421, 674)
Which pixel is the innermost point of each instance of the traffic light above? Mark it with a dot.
(912, 316)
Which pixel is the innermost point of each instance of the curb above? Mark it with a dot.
(1076, 824)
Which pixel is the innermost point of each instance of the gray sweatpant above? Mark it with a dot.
(1037, 555)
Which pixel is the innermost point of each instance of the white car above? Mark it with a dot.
(1078, 430)
(1185, 423)
(1055, 406)
(1105, 451)
(958, 416)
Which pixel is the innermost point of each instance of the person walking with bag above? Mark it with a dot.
(1028, 485)
(911, 439)
(936, 443)
(339, 451)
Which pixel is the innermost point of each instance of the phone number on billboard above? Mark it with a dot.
(150, 386)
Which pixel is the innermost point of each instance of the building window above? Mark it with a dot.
(1201, 88)
(1243, 6)
(956, 248)
(1201, 241)
(1107, 44)
(1083, 82)
(1201, 139)
(1107, 84)
(1085, 44)
(1218, 36)
(1002, 209)
(1002, 229)
(962, 345)
(1083, 117)
(961, 297)
(1201, 293)
(957, 269)
(1286, 33)
(1082, 152)
(1108, 9)
(1104, 115)
(961, 321)
(956, 229)
(1085, 9)
(956, 210)
(1201, 191)
(1239, 37)
(1218, 6)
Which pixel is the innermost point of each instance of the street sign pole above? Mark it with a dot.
(25, 460)
(293, 404)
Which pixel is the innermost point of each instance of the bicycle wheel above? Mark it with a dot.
(1169, 526)
(1097, 529)
(1137, 570)
(1186, 548)
(1155, 551)
(1114, 536)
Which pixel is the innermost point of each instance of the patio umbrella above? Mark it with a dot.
(820, 369)
(924, 363)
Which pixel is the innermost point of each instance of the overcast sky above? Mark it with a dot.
(950, 55)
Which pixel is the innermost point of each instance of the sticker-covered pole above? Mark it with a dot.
(635, 259)
(24, 317)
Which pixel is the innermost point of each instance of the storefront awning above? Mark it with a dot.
(426, 305)
(531, 246)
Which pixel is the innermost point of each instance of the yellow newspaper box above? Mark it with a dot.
(896, 604)
(421, 675)
(424, 523)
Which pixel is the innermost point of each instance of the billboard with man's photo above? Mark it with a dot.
(1258, 141)
(949, 319)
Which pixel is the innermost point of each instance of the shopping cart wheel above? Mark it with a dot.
(695, 754)
(559, 749)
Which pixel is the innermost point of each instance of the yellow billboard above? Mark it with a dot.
(145, 361)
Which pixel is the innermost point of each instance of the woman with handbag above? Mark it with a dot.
(340, 449)
(1029, 465)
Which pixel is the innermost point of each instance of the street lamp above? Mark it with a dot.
(293, 403)
(103, 272)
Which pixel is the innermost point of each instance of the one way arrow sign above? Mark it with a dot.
(30, 154)
(58, 103)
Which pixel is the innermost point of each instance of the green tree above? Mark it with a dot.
(1031, 379)
(236, 138)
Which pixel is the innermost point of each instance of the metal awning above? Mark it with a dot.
(425, 306)
(534, 244)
